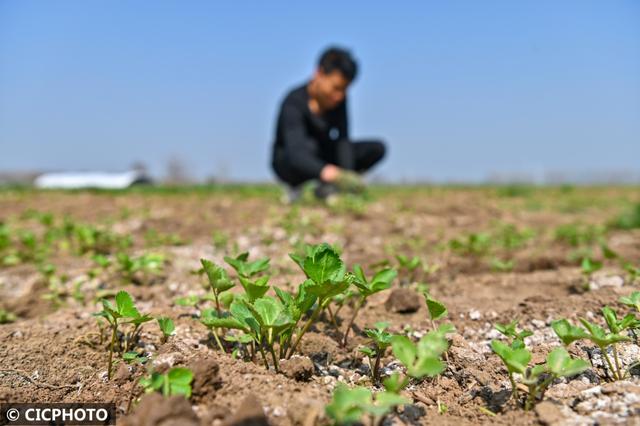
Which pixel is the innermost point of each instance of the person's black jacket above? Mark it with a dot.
(304, 141)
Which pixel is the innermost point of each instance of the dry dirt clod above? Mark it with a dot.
(206, 378)
(122, 374)
(299, 368)
(156, 410)
(403, 301)
(249, 413)
(549, 414)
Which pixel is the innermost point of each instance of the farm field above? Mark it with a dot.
(417, 278)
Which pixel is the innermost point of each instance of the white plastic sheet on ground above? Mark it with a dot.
(74, 180)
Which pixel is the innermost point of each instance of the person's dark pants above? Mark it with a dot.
(359, 156)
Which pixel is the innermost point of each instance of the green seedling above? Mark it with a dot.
(589, 267)
(627, 220)
(568, 333)
(500, 265)
(255, 289)
(153, 238)
(5, 236)
(134, 357)
(510, 238)
(578, 235)
(146, 264)
(246, 269)
(177, 381)
(220, 240)
(326, 278)
(167, 327)
(436, 309)
(123, 312)
(608, 252)
(381, 340)
(55, 288)
(193, 300)
(89, 239)
(296, 306)
(424, 358)
(263, 319)
(219, 280)
(102, 263)
(409, 265)
(633, 272)
(476, 244)
(511, 332)
(242, 340)
(559, 364)
(632, 301)
(350, 406)
(380, 281)
(340, 300)
(6, 317)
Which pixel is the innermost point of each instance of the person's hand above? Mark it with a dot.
(350, 181)
(330, 173)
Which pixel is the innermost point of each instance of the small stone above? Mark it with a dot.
(403, 300)
(278, 412)
(615, 281)
(475, 315)
(596, 390)
(538, 324)
(328, 380)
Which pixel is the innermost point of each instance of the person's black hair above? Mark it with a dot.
(338, 59)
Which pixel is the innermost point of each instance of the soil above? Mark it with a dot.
(53, 352)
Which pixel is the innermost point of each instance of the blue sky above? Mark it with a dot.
(458, 89)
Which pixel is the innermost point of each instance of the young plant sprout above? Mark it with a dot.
(605, 341)
(409, 265)
(124, 312)
(424, 358)
(219, 280)
(177, 381)
(436, 309)
(511, 332)
(633, 272)
(558, 364)
(589, 267)
(134, 357)
(380, 281)
(350, 406)
(381, 340)
(632, 301)
(147, 264)
(326, 278)
(500, 265)
(6, 317)
(517, 349)
(167, 327)
(243, 340)
(247, 269)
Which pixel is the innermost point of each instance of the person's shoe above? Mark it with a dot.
(325, 190)
(292, 194)
(350, 181)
